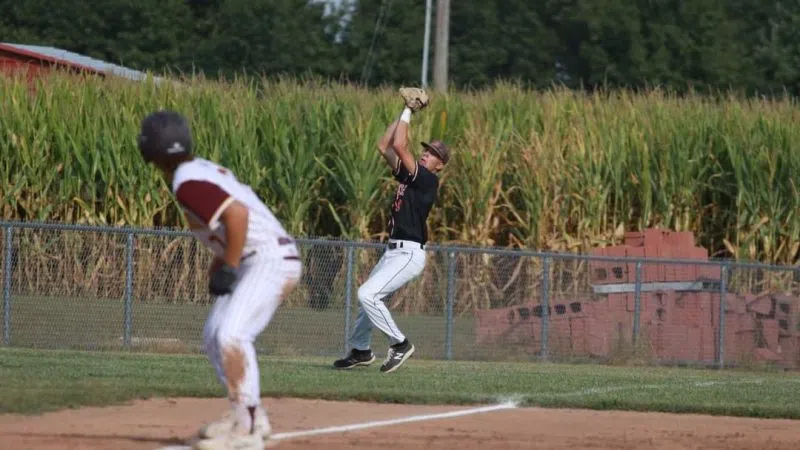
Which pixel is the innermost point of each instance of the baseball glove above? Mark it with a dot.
(416, 99)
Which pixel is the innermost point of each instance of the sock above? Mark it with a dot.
(401, 344)
(245, 417)
(406, 116)
(252, 411)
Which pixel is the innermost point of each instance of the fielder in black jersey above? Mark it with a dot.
(405, 256)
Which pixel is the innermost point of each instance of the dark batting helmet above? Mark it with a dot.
(165, 135)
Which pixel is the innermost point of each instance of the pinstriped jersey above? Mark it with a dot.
(205, 189)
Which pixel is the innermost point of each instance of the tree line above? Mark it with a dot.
(749, 46)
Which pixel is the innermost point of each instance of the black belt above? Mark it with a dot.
(395, 245)
(281, 241)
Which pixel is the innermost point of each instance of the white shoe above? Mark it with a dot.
(231, 442)
(225, 425)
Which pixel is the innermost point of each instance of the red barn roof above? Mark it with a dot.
(39, 55)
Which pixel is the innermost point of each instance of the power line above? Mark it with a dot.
(383, 13)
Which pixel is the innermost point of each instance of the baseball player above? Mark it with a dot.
(404, 258)
(255, 266)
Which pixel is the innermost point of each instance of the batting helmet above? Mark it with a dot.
(165, 135)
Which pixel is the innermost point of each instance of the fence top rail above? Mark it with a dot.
(333, 242)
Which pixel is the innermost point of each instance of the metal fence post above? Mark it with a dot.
(723, 290)
(127, 324)
(637, 303)
(7, 288)
(348, 298)
(545, 306)
(450, 299)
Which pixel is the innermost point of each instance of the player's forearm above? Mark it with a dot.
(387, 140)
(391, 158)
(215, 264)
(235, 219)
(401, 146)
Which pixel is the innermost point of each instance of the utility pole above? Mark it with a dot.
(427, 43)
(441, 51)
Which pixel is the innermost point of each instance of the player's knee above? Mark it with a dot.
(230, 334)
(365, 294)
(209, 342)
(224, 337)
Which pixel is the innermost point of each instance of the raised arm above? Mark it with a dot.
(401, 143)
(394, 144)
(385, 146)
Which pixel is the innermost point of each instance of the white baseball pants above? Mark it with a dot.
(395, 268)
(264, 280)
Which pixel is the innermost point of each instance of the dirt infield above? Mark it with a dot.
(152, 424)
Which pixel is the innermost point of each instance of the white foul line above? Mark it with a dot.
(634, 387)
(381, 423)
(502, 406)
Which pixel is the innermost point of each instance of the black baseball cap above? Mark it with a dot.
(439, 149)
(164, 135)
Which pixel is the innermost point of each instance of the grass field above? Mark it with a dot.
(89, 324)
(42, 380)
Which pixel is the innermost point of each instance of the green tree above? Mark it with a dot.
(142, 34)
(508, 39)
(264, 37)
(601, 41)
(772, 55)
(382, 42)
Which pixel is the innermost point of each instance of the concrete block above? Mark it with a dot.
(766, 355)
(579, 336)
(769, 331)
(679, 239)
(634, 238)
(763, 305)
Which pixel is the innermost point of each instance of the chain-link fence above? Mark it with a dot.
(81, 287)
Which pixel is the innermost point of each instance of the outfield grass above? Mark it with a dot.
(92, 324)
(34, 381)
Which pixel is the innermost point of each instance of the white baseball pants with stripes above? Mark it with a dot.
(395, 268)
(264, 280)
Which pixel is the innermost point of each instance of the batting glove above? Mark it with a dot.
(222, 280)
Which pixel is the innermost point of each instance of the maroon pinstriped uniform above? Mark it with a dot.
(269, 265)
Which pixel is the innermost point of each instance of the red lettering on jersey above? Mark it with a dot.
(398, 197)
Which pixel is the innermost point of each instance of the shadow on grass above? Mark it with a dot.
(100, 437)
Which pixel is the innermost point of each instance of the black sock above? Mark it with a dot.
(400, 345)
(252, 410)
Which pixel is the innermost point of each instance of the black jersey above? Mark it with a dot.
(412, 202)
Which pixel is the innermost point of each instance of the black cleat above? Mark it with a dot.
(396, 356)
(354, 359)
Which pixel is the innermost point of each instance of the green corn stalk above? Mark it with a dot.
(554, 170)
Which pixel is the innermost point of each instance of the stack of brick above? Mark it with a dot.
(677, 325)
(673, 323)
(760, 328)
(653, 244)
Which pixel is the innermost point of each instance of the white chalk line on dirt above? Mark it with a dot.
(509, 402)
(634, 387)
(373, 424)
(381, 423)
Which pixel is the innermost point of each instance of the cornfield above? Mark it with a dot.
(556, 170)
